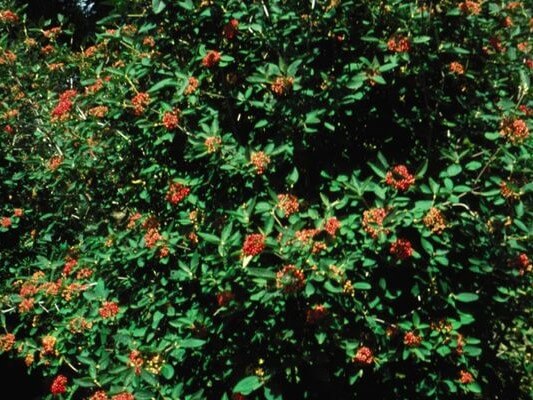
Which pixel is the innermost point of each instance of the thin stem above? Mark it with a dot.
(491, 159)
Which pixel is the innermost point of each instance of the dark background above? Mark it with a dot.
(81, 15)
(14, 375)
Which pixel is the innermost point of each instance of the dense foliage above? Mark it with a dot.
(269, 199)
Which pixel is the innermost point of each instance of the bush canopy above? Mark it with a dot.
(271, 199)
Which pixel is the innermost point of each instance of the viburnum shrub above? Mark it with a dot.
(269, 199)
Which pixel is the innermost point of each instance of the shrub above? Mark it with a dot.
(269, 200)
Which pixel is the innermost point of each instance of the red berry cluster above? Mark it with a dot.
(136, 361)
(305, 236)
(507, 192)
(364, 356)
(7, 342)
(282, 85)
(400, 178)
(59, 385)
(98, 111)
(515, 130)
(133, 219)
(223, 298)
(211, 59)
(192, 86)
(465, 377)
(70, 263)
(140, 101)
(402, 249)
(399, 44)
(48, 344)
(457, 68)
(108, 310)
(522, 263)
(260, 161)
(55, 162)
(151, 237)
(63, 107)
(123, 396)
(212, 143)
(5, 222)
(434, 220)
(411, 339)
(177, 192)
(253, 245)
(332, 225)
(470, 7)
(170, 120)
(8, 16)
(373, 221)
(100, 395)
(288, 203)
(231, 29)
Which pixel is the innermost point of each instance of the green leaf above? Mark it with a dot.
(474, 387)
(163, 83)
(379, 172)
(444, 351)
(453, 170)
(187, 5)
(85, 382)
(492, 135)
(472, 351)
(149, 378)
(157, 318)
(270, 396)
(293, 177)
(143, 395)
(209, 238)
(261, 123)
(291, 69)
(262, 273)
(331, 288)
(427, 246)
(362, 285)
(158, 6)
(248, 385)
(387, 67)
(421, 39)
(466, 319)
(473, 165)
(320, 337)
(312, 117)
(521, 225)
(191, 343)
(466, 297)
(422, 169)
(167, 371)
(452, 387)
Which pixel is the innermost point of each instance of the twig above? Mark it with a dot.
(491, 159)
(70, 365)
(463, 205)
(381, 321)
(43, 307)
(185, 131)
(265, 9)
(51, 141)
(124, 136)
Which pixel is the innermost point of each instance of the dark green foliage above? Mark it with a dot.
(380, 153)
